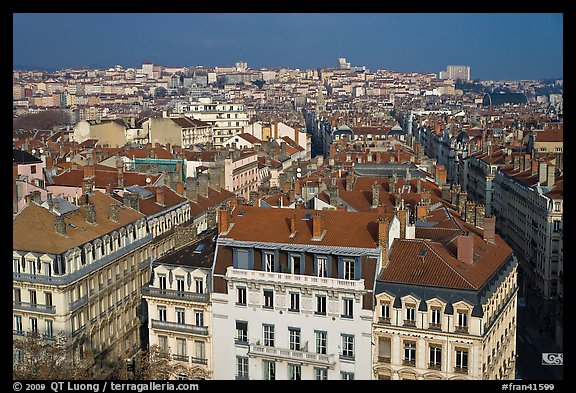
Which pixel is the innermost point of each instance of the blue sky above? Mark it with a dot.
(496, 45)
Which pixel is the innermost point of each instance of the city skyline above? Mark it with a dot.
(496, 46)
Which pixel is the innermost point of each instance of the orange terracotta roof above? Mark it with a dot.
(343, 228)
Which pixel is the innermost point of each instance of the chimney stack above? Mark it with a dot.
(180, 188)
(551, 179)
(59, 225)
(214, 178)
(223, 220)
(349, 181)
(120, 168)
(113, 212)
(402, 219)
(542, 172)
(490, 229)
(317, 225)
(421, 212)
(192, 189)
(375, 195)
(293, 225)
(203, 184)
(160, 196)
(132, 200)
(383, 227)
(90, 212)
(534, 167)
(465, 248)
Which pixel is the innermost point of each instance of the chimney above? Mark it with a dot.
(542, 172)
(421, 212)
(132, 200)
(349, 181)
(446, 195)
(223, 220)
(490, 229)
(113, 212)
(440, 175)
(469, 212)
(120, 168)
(317, 226)
(180, 188)
(551, 179)
(462, 198)
(160, 196)
(297, 187)
(214, 178)
(516, 161)
(465, 248)
(203, 184)
(402, 219)
(383, 239)
(534, 167)
(109, 189)
(526, 162)
(375, 195)
(233, 203)
(192, 189)
(283, 147)
(90, 213)
(332, 150)
(276, 130)
(293, 225)
(419, 186)
(59, 225)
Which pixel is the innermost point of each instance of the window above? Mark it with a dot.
(32, 169)
(180, 283)
(321, 342)
(18, 323)
(461, 360)
(348, 307)
(294, 372)
(268, 298)
(294, 301)
(462, 321)
(269, 370)
(410, 315)
(296, 265)
(200, 348)
(435, 356)
(162, 281)
(32, 294)
(322, 267)
(180, 316)
(557, 206)
(17, 297)
(199, 317)
(347, 346)
(181, 346)
(347, 376)
(409, 353)
(162, 313)
(199, 285)
(241, 332)
(241, 296)
(242, 258)
(268, 335)
(241, 367)
(349, 269)
(34, 325)
(385, 312)
(294, 337)
(321, 374)
(556, 225)
(435, 318)
(163, 343)
(268, 262)
(384, 349)
(320, 304)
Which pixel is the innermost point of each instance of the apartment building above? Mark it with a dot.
(27, 177)
(446, 304)
(79, 269)
(293, 292)
(179, 307)
(528, 201)
(226, 119)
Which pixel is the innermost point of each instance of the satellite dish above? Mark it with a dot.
(33, 151)
(148, 180)
(298, 175)
(298, 170)
(41, 151)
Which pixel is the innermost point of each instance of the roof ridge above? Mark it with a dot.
(446, 263)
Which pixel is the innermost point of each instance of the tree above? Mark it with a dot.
(154, 364)
(36, 358)
(44, 120)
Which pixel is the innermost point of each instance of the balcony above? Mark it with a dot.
(180, 358)
(241, 377)
(435, 366)
(384, 359)
(34, 307)
(461, 370)
(203, 361)
(409, 323)
(294, 279)
(78, 303)
(435, 326)
(384, 320)
(461, 329)
(292, 355)
(178, 327)
(177, 295)
(411, 363)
